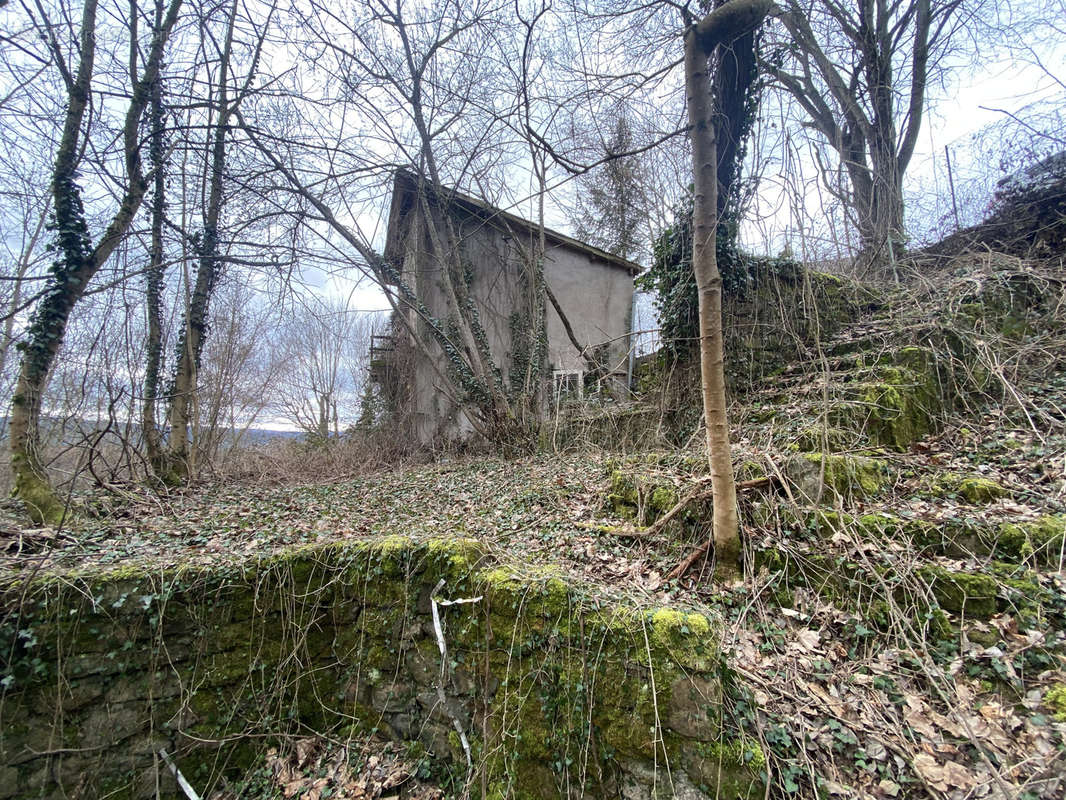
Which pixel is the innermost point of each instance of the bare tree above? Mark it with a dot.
(422, 81)
(79, 257)
(708, 44)
(860, 75)
(227, 93)
(155, 273)
(237, 374)
(321, 359)
(25, 251)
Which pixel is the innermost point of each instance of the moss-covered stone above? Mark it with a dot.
(736, 767)
(643, 498)
(890, 413)
(969, 593)
(1013, 543)
(892, 403)
(37, 495)
(980, 491)
(920, 360)
(624, 487)
(750, 470)
(1008, 302)
(974, 489)
(340, 635)
(1055, 700)
(847, 476)
(617, 504)
(662, 499)
(920, 532)
(686, 637)
(1040, 539)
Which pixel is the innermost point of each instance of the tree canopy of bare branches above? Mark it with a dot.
(861, 75)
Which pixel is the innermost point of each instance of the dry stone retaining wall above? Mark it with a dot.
(558, 694)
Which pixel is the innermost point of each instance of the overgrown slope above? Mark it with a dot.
(901, 630)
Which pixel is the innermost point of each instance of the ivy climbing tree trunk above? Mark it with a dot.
(180, 458)
(705, 40)
(154, 275)
(78, 259)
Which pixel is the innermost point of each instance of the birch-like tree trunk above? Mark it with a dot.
(154, 275)
(717, 30)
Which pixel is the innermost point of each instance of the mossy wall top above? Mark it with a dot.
(557, 692)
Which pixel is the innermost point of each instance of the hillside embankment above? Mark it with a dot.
(900, 630)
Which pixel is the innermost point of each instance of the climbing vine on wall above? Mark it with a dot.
(674, 284)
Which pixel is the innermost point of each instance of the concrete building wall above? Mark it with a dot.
(595, 294)
(596, 298)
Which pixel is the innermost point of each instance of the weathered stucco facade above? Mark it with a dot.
(594, 289)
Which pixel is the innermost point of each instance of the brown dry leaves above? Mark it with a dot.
(314, 769)
(885, 722)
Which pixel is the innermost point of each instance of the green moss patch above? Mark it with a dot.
(847, 476)
(1055, 700)
(736, 767)
(974, 489)
(894, 409)
(38, 497)
(571, 689)
(644, 497)
(972, 594)
(1040, 539)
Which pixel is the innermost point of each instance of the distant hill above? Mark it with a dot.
(251, 436)
(264, 435)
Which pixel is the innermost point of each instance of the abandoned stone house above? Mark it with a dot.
(594, 289)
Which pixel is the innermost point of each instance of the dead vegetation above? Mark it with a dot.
(901, 627)
(316, 768)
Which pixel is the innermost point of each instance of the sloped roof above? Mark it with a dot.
(405, 183)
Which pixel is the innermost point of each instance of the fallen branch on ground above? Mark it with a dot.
(688, 561)
(695, 555)
(701, 492)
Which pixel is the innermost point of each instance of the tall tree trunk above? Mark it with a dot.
(71, 272)
(709, 288)
(533, 402)
(154, 275)
(323, 419)
(878, 207)
(78, 260)
(722, 26)
(7, 338)
(852, 101)
(208, 271)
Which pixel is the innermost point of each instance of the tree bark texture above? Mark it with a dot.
(721, 27)
(78, 260)
(179, 458)
(154, 275)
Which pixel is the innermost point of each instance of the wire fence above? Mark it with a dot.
(955, 187)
